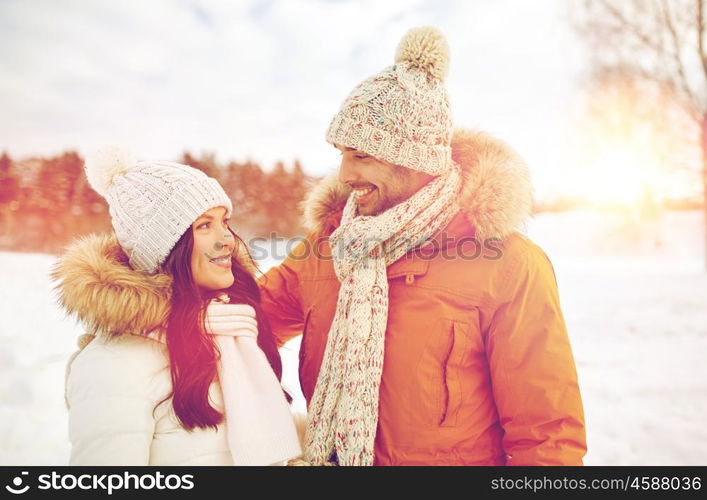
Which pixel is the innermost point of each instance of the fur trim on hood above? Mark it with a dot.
(95, 283)
(496, 195)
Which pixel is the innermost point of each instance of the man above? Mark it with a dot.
(432, 329)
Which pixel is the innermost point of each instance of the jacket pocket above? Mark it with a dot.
(452, 372)
(442, 369)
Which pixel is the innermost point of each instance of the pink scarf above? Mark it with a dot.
(260, 426)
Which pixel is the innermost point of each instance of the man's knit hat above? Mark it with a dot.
(402, 114)
(151, 204)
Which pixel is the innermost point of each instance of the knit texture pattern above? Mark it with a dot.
(343, 412)
(152, 204)
(402, 115)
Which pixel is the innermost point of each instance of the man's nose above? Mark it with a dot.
(347, 171)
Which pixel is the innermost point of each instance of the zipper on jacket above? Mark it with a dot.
(409, 279)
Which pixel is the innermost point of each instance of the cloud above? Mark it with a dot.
(263, 79)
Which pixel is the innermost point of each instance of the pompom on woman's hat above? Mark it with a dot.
(402, 115)
(151, 204)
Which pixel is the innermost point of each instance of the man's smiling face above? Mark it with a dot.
(378, 185)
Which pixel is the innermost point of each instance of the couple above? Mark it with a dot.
(432, 329)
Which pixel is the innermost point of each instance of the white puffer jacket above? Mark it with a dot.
(117, 384)
(114, 388)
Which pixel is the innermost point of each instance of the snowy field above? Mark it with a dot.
(634, 294)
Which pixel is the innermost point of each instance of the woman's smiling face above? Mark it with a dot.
(212, 251)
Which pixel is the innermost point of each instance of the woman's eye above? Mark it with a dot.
(204, 225)
(361, 157)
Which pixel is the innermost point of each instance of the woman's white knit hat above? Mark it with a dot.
(402, 115)
(151, 204)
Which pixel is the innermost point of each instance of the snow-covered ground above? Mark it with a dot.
(633, 291)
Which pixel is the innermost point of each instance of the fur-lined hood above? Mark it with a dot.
(496, 194)
(95, 283)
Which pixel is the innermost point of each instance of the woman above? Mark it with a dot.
(179, 366)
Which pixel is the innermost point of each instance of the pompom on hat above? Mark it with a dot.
(426, 49)
(402, 115)
(151, 204)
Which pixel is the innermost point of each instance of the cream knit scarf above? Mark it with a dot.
(343, 413)
(259, 425)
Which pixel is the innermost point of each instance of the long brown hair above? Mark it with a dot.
(193, 354)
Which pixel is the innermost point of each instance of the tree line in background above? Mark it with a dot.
(47, 202)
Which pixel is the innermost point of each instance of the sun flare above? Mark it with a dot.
(617, 177)
(632, 150)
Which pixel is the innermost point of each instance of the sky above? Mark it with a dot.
(261, 80)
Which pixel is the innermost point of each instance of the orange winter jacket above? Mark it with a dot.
(478, 368)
